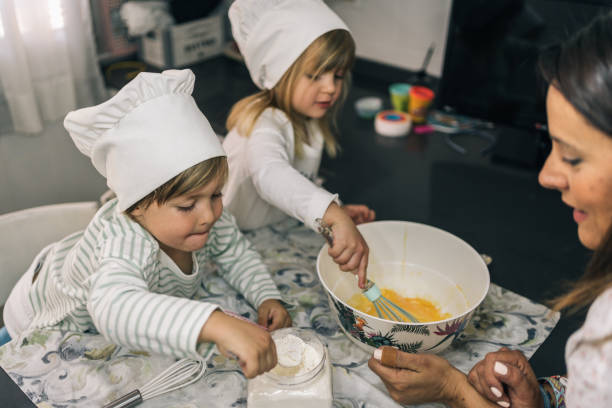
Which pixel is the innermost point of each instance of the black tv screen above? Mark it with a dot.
(490, 65)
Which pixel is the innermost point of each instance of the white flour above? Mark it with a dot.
(290, 350)
(295, 357)
(298, 380)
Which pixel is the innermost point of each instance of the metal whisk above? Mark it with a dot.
(385, 308)
(178, 375)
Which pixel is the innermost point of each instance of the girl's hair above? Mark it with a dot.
(333, 51)
(581, 69)
(192, 179)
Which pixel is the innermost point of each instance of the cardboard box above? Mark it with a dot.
(184, 44)
(112, 38)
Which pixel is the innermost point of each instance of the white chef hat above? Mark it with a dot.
(272, 34)
(148, 133)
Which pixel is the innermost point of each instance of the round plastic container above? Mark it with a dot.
(392, 123)
(282, 387)
(368, 107)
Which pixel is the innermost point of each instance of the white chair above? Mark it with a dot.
(24, 233)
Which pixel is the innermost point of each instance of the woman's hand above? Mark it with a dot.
(349, 249)
(359, 213)
(511, 369)
(249, 343)
(419, 378)
(272, 315)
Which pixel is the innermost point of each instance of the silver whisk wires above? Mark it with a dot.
(178, 375)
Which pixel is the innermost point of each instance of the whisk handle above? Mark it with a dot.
(128, 400)
(325, 230)
(371, 291)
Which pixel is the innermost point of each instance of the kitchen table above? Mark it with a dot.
(73, 370)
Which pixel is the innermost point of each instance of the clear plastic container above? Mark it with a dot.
(281, 387)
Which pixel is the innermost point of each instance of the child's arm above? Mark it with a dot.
(349, 250)
(124, 310)
(251, 344)
(126, 313)
(240, 263)
(269, 156)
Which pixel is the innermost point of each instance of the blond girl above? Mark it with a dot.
(299, 53)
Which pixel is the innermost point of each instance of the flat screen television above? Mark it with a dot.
(490, 70)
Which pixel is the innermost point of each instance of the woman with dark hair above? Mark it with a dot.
(579, 110)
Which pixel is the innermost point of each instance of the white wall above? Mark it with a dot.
(44, 169)
(397, 32)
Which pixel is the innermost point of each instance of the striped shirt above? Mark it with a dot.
(114, 279)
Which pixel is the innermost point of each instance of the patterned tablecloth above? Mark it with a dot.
(58, 369)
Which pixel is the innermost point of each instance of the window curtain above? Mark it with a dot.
(48, 63)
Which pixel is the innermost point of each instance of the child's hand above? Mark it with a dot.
(273, 315)
(349, 249)
(252, 345)
(359, 213)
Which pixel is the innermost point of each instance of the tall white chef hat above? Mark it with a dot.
(148, 133)
(272, 34)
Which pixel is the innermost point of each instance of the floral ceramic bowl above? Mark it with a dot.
(415, 260)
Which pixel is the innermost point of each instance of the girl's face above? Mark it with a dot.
(313, 96)
(182, 224)
(580, 167)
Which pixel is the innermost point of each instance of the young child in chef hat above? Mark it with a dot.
(131, 274)
(299, 53)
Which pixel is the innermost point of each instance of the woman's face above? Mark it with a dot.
(580, 167)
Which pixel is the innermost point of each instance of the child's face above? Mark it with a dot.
(314, 96)
(182, 224)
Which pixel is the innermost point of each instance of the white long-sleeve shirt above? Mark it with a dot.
(113, 278)
(588, 355)
(266, 181)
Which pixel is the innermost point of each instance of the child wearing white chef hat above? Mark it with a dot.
(132, 273)
(299, 53)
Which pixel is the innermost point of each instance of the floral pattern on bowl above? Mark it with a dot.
(360, 328)
(406, 256)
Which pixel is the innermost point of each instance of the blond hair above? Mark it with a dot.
(190, 180)
(332, 51)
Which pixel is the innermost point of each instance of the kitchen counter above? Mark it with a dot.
(496, 207)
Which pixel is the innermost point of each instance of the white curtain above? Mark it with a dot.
(48, 63)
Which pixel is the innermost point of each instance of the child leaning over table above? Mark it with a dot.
(131, 274)
(299, 53)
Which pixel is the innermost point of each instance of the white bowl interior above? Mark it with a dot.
(415, 260)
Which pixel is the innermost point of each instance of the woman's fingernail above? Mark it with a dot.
(500, 368)
(496, 392)
(503, 404)
(377, 354)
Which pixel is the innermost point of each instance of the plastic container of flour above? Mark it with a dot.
(301, 379)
